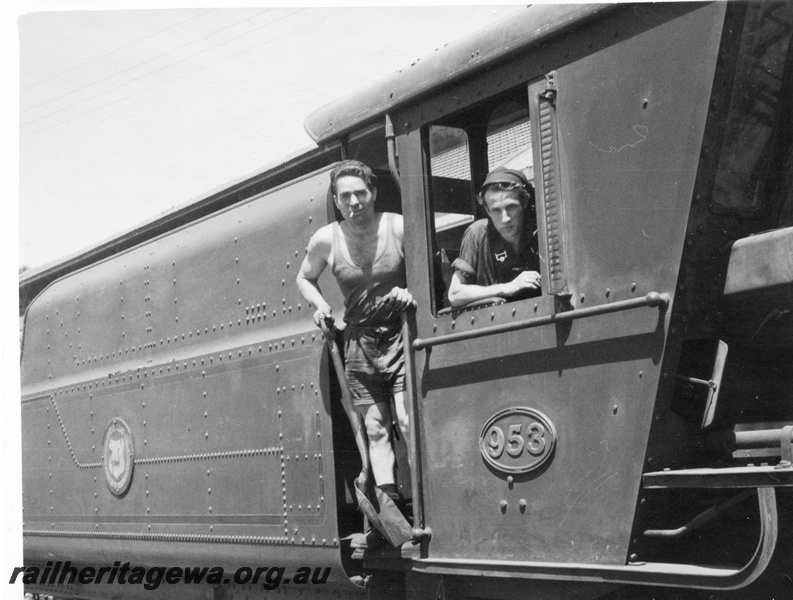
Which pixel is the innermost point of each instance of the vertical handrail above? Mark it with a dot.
(420, 530)
(390, 139)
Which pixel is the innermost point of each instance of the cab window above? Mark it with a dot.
(462, 149)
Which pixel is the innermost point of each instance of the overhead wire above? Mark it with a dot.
(96, 58)
(269, 40)
(116, 74)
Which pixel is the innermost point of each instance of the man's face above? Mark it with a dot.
(506, 212)
(354, 198)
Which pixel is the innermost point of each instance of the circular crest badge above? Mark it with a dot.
(118, 456)
(517, 440)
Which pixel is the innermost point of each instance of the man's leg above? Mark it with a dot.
(403, 419)
(377, 420)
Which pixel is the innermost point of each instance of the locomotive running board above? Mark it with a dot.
(731, 477)
(654, 574)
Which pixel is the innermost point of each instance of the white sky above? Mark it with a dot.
(125, 114)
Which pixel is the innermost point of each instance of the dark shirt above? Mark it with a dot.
(487, 259)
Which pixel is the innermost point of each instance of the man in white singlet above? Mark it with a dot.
(365, 252)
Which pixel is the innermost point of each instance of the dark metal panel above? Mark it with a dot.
(642, 138)
(418, 255)
(592, 388)
(157, 299)
(692, 576)
(652, 299)
(596, 378)
(201, 343)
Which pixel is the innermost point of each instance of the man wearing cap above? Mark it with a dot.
(498, 255)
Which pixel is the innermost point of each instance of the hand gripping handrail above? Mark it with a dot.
(652, 299)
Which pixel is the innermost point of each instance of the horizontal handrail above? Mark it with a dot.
(723, 478)
(652, 299)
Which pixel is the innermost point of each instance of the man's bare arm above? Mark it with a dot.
(319, 247)
(461, 293)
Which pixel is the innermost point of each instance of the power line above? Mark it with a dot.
(88, 62)
(187, 73)
(135, 66)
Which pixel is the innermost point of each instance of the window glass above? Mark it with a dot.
(755, 108)
(452, 200)
(509, 139)
(451, 177)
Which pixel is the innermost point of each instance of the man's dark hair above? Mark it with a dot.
(353, 168)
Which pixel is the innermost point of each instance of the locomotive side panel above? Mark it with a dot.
(624, 201)
(174, 398)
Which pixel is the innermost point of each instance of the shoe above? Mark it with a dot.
(373, 539)
(405, 506)
(370, 540)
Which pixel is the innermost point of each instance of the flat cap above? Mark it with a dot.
(504, 175)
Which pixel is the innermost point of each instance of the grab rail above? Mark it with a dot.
(652, 300)
(420, 531)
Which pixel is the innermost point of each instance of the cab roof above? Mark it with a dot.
(517, 31)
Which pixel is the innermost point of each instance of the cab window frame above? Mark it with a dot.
(475, 120)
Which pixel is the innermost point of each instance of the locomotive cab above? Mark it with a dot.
(574, 435)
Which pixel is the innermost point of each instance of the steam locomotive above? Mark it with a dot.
(626, 434)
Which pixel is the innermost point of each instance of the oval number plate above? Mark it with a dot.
(517, 440)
